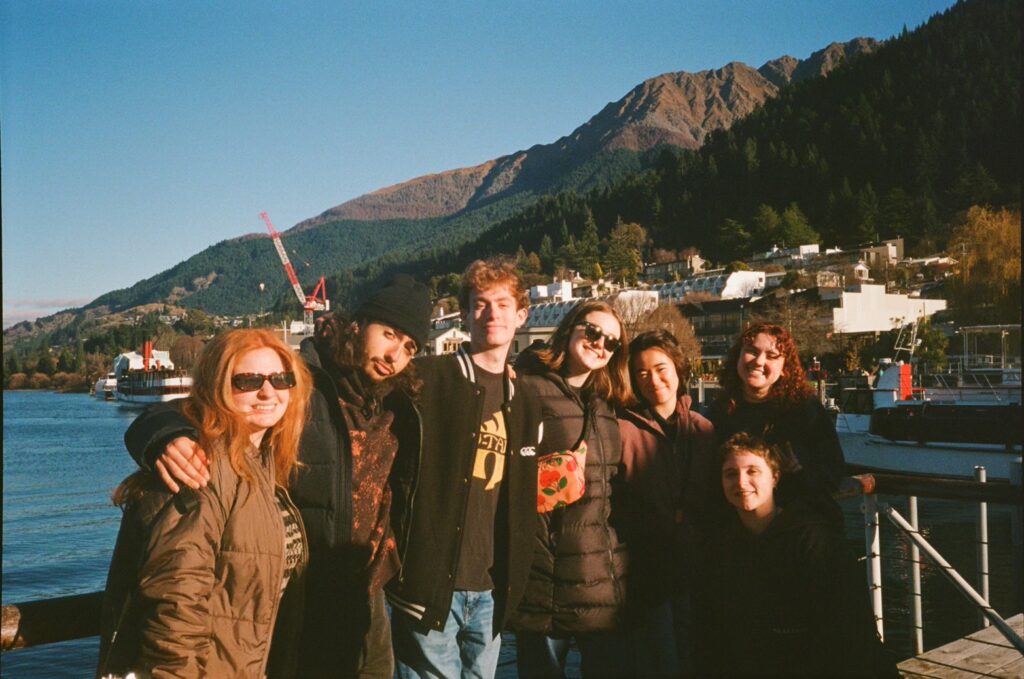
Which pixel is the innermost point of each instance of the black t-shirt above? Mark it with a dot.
(476, 555)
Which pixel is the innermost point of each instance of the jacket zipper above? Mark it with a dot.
(280, 573)
(402, 555)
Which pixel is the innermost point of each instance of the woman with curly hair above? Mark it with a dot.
(209, 582)
(577, 585)
(766, 394)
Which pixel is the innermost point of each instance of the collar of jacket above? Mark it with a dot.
(468, 368)
(644, 416)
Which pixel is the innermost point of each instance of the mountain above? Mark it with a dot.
(454, 207)
(678, 109)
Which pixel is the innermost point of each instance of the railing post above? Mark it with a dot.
(1017, 535)
(982, 533)
(873, 547)
(915, 584)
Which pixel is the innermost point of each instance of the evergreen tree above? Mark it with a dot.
(794, 229)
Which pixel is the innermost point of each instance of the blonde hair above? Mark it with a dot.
(222, 428)
(610, 382)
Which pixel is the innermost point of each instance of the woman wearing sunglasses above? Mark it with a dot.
(577, 586)
(202, 582)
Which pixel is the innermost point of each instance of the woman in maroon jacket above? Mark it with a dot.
(670, 475)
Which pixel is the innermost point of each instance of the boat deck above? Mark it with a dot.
(985, 653)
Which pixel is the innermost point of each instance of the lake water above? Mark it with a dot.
(63, 455)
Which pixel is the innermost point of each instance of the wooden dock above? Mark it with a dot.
(985, 653)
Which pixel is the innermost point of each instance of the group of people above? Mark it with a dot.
(347, 511)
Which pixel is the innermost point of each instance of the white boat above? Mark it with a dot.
(947, 427)
(105, 386)
(149, 377)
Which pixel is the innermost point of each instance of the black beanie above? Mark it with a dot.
(404, 304)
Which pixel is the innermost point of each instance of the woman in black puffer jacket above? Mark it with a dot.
(577, 586)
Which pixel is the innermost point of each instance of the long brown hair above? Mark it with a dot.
(792, 385)
(222, 429)
(610, 382)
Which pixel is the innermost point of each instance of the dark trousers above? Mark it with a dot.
(358, 646)
(601, 655)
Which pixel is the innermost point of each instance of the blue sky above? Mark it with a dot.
(135, 134)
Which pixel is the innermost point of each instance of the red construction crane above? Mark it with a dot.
(317, 300)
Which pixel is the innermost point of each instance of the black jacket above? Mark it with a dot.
(803, 428)
(578, 580)
(322, 490)
(791, 601)
(429, 521)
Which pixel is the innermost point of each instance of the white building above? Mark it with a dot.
(444, 341)
(556, 291)
(868, 308)
(735, 285)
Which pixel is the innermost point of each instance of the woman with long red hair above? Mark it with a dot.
(209, 582)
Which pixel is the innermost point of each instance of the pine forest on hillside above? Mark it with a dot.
(900, 142)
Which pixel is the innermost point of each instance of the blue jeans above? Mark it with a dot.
(466, 647)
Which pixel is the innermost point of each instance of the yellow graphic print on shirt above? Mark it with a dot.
(492, 444)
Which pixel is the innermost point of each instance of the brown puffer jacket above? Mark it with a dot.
(193, 588)
(578, 581)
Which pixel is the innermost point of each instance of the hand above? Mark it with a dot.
(183, 460)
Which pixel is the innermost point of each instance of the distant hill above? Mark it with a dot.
(896, 143)
(678, 110)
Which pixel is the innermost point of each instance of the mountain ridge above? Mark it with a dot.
(679, 108)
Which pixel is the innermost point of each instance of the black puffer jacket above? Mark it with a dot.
(578, 581)
(791, 601)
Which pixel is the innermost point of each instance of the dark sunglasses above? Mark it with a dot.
(254, 381)
(592, 333)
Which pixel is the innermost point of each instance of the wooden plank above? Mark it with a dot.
(985, 653)
(1014, 670)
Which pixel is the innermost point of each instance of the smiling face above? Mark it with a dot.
(386, 351)
(584, 356)
(760, 366)
(493, 318)
(749, 483)
(264, 407)
(655, 377)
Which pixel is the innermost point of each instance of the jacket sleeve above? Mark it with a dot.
(153, 429)
(829, 466)
(176, 580)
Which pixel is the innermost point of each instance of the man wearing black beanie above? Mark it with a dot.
(361, 441)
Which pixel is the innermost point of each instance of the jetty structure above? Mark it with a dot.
(997, 649)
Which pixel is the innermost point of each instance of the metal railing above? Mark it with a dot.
(74, 617)
(870, 485)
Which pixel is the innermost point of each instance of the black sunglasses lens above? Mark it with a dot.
(282, 380)
(254, 381)
(247, 381)
(592, 333)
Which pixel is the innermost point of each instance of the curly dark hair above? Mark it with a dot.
(337, 339)
(610, 382)
(792, 386)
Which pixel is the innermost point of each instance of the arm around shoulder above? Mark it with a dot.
(152, 430)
